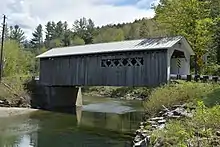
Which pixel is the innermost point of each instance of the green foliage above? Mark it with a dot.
(179, 94)
(78, 41)
(202, 126)
(190, 18)
(212, 69)
(118, 92)
(16, 60)
(16, 87)
(17, 34)
(84, 29)
(37, 40)
(109, 35)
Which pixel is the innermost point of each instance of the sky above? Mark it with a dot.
(29, 13)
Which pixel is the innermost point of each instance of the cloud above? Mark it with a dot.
(29, 13)
(146, 3)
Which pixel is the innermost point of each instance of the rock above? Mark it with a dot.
(157, 118)
(176, 106)
(141, 127)
(138, 131)
(218, 133)
(154, 126)
(163, 121)
(175, 116)
(137, 138)
(1, 102)
(151, 122)
(142, 143)
(179, 111)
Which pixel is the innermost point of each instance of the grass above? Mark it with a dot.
(197, 131)
(186, 92)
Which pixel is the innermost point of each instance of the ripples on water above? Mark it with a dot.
(98, 124)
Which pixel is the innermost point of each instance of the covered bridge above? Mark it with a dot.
(144, 62)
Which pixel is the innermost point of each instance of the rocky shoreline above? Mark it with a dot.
(143, 134)
(18, 101)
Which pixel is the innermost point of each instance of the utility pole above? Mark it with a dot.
(2, 46)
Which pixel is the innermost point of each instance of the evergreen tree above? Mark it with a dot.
(16, 33)
(37, 40)
(67, 35)
(84, 29)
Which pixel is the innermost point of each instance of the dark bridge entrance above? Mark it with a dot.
(145, 62)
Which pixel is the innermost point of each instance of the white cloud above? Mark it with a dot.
(29, 13)
(146, 3)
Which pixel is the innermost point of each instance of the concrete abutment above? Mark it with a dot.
(55, 98)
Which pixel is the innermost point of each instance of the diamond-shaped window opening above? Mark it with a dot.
(133, 61)
(116, 62)
(122, 62)
(125, 62)
(108, 62)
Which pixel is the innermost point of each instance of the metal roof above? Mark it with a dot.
(131, 45)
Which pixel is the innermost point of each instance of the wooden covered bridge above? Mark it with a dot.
(144, 62)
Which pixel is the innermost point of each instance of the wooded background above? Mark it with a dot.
(197, 20)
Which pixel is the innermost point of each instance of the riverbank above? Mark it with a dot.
(7, 112)
(128, 93)
(184, 114)
(13, 93)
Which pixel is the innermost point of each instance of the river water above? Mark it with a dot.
(101, 122)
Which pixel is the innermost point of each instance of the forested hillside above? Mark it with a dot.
(197, 20)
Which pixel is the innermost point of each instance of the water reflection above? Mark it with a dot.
(82, 128)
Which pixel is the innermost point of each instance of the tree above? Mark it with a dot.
(49, 34)
(37, 40)
(84, 29)
(59, 30)
(78, 41)
(17, 61)
(16, 33)
(109, 35)
(215, 14)
(134, 32)
(144, 30)
(126, 29)
(189, 18)
(67, 35)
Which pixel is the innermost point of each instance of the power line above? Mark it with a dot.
(2, 46)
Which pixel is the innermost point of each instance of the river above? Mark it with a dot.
(101, 122)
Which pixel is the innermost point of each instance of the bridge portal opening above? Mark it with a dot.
(179, 64)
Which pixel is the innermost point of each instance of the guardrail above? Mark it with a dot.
(203, 78)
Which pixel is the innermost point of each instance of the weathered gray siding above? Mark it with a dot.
(88, 70)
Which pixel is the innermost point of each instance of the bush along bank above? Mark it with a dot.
(189, 117)
(12, 93)
(128, 93)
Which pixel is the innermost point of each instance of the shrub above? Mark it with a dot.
(12, 86)
(186, 92)
(200, 129)
(115, 92)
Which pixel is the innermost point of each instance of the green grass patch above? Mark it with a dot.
(185, 92)
(200, 130)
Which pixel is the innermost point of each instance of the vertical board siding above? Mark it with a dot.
(87, 70)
